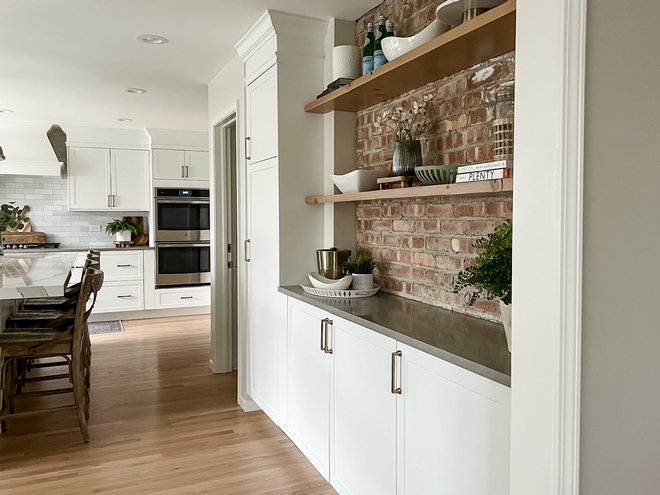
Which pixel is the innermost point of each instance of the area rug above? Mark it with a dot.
(97, 327)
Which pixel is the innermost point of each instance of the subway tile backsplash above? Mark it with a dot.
(49, 213)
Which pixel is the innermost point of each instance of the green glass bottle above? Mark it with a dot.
(390, 28)
(368, 51)
(379, 56)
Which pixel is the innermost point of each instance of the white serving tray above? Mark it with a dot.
(344, 294)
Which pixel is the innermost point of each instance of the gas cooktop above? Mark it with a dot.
(33, 245)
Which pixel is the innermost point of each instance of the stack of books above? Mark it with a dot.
(500, 169)
(335, 85)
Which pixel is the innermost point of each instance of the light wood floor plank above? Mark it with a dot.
(161, 423)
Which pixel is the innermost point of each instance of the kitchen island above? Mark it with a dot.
(30, 275)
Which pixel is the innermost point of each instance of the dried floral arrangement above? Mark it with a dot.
(407, 124)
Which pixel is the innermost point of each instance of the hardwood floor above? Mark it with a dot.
(160, 422)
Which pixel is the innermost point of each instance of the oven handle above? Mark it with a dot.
(184, 201)
(182, 244)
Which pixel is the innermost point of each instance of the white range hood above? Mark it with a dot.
(28, 151)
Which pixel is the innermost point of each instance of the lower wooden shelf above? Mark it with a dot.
(483, 188)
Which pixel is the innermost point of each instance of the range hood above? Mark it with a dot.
(28, 150)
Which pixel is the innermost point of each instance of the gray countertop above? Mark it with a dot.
(81, 249)
(471, 343)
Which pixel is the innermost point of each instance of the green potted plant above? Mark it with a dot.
(13, 217)
(361, 266)
(490, 276)
(123, 229)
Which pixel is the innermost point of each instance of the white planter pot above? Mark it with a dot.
(505, 312)
(362, 281)
(124, 236)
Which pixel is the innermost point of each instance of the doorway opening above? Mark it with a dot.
(224, 290)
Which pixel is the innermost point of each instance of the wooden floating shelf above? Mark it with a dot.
(484, 37)
(483, 188)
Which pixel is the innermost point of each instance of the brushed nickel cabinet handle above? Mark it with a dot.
(109, 201)
(114, 203)
(323, 330)
(187, 172)
(247, 153)
(328, 350)
(186, 297)
(247, 243)
(123, 297)
(123, 266)
(182, 173)
(395, 389)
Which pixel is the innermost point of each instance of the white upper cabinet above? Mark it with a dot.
(130, 180)
(88, 171)
(261, 140)
(108, 179)
(180, 165)
(168, 164)
(197, 165)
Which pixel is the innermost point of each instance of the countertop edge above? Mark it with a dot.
(481, 370)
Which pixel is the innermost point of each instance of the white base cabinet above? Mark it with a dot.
(453, 429)
(384, 418)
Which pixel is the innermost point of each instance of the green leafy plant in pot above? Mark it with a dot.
(123, 229)
(490, 276)
(362, 266)
(11, 216)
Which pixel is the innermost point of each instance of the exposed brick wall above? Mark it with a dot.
(422, 244)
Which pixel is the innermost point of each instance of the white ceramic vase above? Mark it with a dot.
(363, 281)
(505, 313)
(346, 62)
(123, 236)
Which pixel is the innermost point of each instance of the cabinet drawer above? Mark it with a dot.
(115, 296)
(122, 266)
(181, 298)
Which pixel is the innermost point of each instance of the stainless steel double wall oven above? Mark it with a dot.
(183, 237)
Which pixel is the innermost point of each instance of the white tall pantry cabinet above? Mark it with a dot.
(283, 56)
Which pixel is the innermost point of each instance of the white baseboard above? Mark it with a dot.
(248, 405)
(152, 313)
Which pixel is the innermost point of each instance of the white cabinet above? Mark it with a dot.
(396, 420)
(261, 96)
(363, 439)
(123, 282)
(453, 429)
(309, 385)
(263, 280)
(108, 179)
(183, 297)
(180, 165)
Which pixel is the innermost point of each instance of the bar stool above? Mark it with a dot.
(36, 343)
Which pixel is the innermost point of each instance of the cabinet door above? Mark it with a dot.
(453, 429)
(262, 117)
(197, 165)
(89, 178)
(130, 180)
(168, 164)
(309, 386)
(263, 280)
(363, 435)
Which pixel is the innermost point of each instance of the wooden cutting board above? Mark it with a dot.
(23, 237)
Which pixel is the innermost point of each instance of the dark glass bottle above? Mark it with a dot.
(368, 50)
(379, 56)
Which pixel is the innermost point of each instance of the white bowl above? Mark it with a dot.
(451, 11)
(321, 282)
(359, 180)
(394, 47)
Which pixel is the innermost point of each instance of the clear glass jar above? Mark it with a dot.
(503, 124)
(504, 106)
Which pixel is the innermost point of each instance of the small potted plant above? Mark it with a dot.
(490, 276)
(123, 229)
(361, 266)
(12, 217)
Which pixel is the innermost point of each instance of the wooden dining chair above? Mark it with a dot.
(37, 343)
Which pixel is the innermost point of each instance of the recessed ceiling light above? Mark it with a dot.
(6, 110)
(125, 120)
(135, 91)
(152, 39)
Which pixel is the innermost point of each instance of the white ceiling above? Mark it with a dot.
(67, 61)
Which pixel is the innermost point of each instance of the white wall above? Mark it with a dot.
(620, 424)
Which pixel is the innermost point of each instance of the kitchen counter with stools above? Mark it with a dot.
(30, 275)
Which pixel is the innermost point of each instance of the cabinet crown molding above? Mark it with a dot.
(293, 33)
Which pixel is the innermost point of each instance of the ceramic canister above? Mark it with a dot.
(346, 62)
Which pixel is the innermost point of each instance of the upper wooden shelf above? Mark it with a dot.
(483, 188)
(482, 38)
